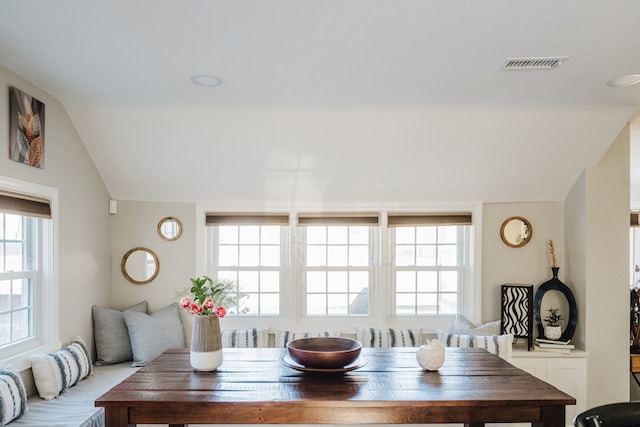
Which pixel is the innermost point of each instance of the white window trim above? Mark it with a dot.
(47, 306)
(292, 319)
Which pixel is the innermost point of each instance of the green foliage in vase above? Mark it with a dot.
(554, 318)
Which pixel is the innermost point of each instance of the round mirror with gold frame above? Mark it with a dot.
(140, 265)
(516, 231)
(170, 228)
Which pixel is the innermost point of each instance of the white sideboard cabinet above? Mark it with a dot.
(567, 372)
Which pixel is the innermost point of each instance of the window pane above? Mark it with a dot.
(5, 295)
(271, 235)
(405, 255)
(248, 281)
(270, 256)
(5, 329)
(270, 281)
(448, 255)
(358, 281)
(13, 254)
(20, 325)
(228, 234)
(405, 235)
(447, 234)
(316, 235)
(337, 256)
(13, 227)
(316, 305)
(337, 281)
(316, 256)
(405, 304)
(228, 255)
(249, 234)
(449, 281)
(426, 255)
(249, 256)
(316, 281)
(359, 256)
(426, 234)
(269, 304)
(359, 235)
(250, 304)
(337, 235)
(427, 304)
(405, 281)
(448, 303)
(338, 304)
(427, 281)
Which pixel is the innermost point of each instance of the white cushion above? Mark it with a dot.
(13, 396)
(462, 325)
(283, 337)
(152, 334)
(500, 345)
(246, 338)
(53, 373)
(371, 337)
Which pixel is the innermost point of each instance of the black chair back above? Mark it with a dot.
(623, 414)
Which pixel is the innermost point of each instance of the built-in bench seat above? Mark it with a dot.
(75, 406)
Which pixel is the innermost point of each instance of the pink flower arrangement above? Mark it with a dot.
(207, 297)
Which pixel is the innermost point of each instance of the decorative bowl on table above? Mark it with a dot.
(324, 352)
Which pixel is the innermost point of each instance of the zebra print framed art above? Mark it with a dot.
(517, 312)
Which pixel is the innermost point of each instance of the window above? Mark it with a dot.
(18, 275)
(249, 250)
(428, 263)
(26, 280)
(364, 267)
(338, 264)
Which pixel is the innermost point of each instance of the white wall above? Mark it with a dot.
(135, 225)
(527, 265)
(597, 241)
(84, 231)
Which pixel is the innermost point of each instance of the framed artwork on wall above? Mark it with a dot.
(517, 312)
(26, 129)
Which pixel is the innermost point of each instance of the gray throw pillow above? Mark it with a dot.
(150, 335)
(110, 334)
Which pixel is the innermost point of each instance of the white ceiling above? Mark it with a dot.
(332, 101)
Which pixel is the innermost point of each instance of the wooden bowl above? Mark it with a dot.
(324, 352)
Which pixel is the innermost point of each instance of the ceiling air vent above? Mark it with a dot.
(547, 63)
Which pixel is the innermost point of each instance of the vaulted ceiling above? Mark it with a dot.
(333, 101)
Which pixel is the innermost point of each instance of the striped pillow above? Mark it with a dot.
(371, 337)
(13, 396)
(53, 373)
(496, 344)
(247, 338)
(283, 337)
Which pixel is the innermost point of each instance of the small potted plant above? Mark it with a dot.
(553, 330)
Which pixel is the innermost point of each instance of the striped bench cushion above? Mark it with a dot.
(246, 338)
(371, 337)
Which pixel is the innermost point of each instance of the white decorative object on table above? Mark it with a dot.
(431, 355)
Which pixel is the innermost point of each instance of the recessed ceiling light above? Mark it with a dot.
(626, 80)
(206, 80)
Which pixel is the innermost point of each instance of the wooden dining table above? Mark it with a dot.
(259, 386)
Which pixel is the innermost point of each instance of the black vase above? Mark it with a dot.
(556, 285)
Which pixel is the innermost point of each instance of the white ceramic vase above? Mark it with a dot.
(206, 343)
(553, 332)
(431, 355)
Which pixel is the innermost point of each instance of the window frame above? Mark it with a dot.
(46, 298)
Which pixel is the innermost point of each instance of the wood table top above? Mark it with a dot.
(255, 386)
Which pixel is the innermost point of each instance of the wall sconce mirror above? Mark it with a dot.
(516, 231)
(170, 228)
(140, 266)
